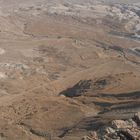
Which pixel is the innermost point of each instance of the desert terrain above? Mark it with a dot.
(69, 70)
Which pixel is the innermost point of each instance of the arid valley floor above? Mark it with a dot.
(69, 69)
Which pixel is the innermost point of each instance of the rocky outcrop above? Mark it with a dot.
(88, 87)
(118, 130)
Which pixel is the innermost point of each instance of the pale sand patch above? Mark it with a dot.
(2, 51)
(2, 75)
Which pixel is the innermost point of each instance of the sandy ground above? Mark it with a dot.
(67, 67)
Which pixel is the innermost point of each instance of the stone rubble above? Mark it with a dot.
(118, 130)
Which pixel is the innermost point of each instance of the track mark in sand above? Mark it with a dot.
(28, 130)
(44, 134)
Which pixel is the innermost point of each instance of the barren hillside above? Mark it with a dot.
(69, 68)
